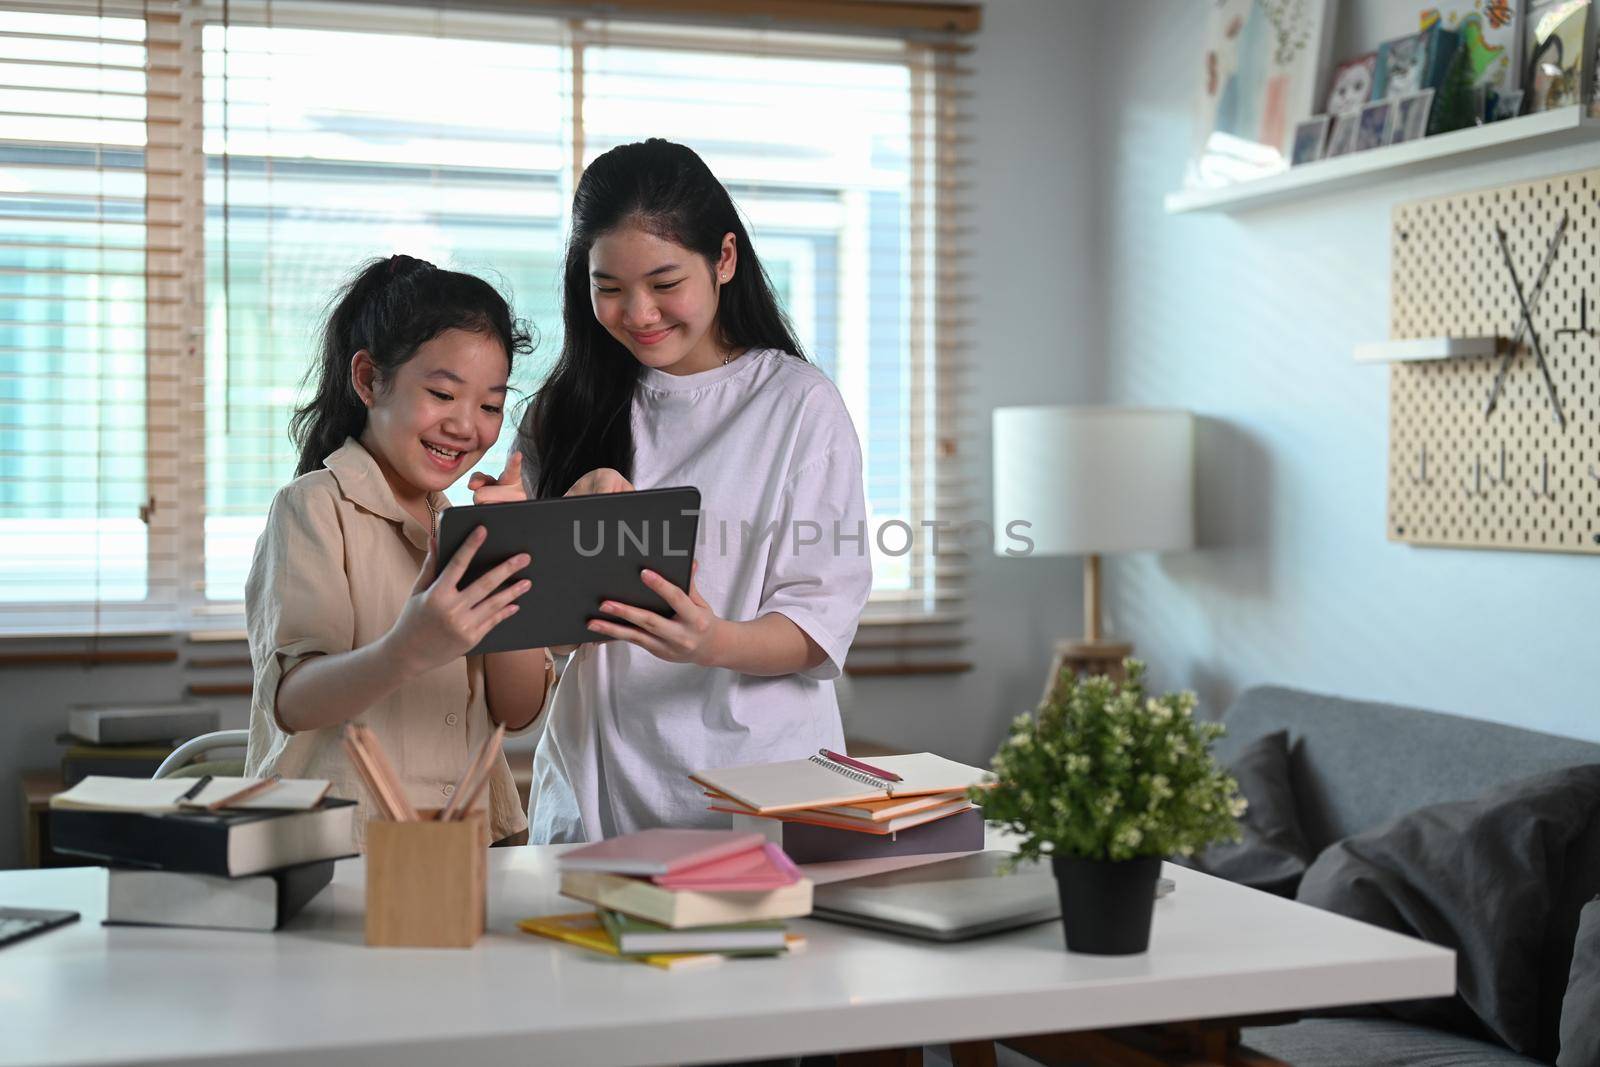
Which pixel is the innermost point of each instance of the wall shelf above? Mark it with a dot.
(1528, 133)
(1424, 349)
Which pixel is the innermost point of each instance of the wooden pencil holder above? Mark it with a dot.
(427, 881)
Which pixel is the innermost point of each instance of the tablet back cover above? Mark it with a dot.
(585, 549)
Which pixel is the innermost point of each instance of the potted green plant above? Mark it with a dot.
(1105, 781)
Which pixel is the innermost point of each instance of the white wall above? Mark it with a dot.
(1249, 319)
(1036, 339)
(1036, 332)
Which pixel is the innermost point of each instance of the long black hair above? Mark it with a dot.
(391, 308)
(579, 419)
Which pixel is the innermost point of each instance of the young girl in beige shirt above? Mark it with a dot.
(349, 615)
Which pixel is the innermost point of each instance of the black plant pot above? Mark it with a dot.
(1107, 905)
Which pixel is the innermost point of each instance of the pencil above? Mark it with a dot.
(468, 786)
(380, 783)
(385, 771)
(358, 758)
(254, 789)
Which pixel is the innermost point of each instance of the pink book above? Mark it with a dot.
(660, 851)
(767, 867)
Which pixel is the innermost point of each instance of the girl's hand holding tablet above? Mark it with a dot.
(440, 622)
(689, 637)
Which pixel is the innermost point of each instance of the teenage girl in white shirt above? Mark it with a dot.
(678, 368)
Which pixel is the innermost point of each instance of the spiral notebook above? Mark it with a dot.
(817, 780)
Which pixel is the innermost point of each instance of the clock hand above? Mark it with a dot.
(1516, 336)
(1533, 334)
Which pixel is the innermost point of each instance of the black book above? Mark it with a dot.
(227, 843)
(181, 898)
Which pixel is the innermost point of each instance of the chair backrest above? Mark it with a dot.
(184, 755)
(1357, 763)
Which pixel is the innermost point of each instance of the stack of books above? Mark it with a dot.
(231, 853)
(128, 740)
(831, 807)
(673, 898)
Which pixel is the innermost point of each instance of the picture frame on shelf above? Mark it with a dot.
(1351, 84)
(1491, 35)
(1342, 134)
(1372, 131)
(1559, 54)
(1508, 105)
(1411, 117)
(1310, 139)
(1260, 67)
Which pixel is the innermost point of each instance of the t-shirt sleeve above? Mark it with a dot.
(297, 598)
(819, 568)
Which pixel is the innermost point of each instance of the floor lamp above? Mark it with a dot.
(1083, 481)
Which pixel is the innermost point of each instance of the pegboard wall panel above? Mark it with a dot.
(1515, 477)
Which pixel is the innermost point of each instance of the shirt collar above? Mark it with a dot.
(363, 484)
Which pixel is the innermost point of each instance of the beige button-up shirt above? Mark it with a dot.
(332, 571)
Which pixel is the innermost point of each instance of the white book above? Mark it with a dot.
(158, 795)
(182, 898)
(134, 723)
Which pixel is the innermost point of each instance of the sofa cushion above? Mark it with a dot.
(1580, 1009)
(1346, 1042)
(1359, 763)
(1490, 878)
(1272, 853)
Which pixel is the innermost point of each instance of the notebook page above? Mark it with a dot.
(106, 793)
(925, 772)
(786, 786)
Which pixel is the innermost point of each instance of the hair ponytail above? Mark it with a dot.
(391, 308)
(580, 418)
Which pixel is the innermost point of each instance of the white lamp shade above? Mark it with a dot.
(1092, 480)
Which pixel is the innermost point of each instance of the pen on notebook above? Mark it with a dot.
(879, 772)
(195, 790)
(254, 789)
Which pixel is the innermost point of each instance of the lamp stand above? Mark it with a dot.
(1093, 654)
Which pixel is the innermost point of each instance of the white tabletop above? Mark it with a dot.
(314, 993)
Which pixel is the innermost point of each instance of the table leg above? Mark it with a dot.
(1207, 1043)
(972, 1054)
(881, 1057)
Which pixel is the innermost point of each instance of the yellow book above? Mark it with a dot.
(585, 930)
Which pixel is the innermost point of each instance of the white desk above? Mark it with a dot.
(313, 993)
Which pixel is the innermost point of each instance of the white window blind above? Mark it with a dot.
(330, 133)
(90, 319)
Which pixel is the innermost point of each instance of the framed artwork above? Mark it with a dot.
(1342, 137)
(1372, 131)
(1410, 121)
(1351, 84)
(1310, 137)
(1261, 64)
(1491, 33)
(1560, 40)
(1508, 105)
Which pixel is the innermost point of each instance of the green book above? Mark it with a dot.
(636, 937)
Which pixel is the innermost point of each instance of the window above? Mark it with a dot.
(456, 137)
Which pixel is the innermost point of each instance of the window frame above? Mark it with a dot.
(176, 307)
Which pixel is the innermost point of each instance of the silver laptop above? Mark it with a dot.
(947, 901)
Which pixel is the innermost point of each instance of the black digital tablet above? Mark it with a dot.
(585, 549)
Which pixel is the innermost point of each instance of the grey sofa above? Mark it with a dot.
(1356, 765)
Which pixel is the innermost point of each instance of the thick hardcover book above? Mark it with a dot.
(635, 937)
(181, 898)
(227, 843)
(141, 724)
(810, 843)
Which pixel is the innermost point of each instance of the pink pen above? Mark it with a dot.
(876, 772)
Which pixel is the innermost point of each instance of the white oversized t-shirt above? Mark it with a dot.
(768, 442)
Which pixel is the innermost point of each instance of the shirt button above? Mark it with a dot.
(449, 790)
(450, 719)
